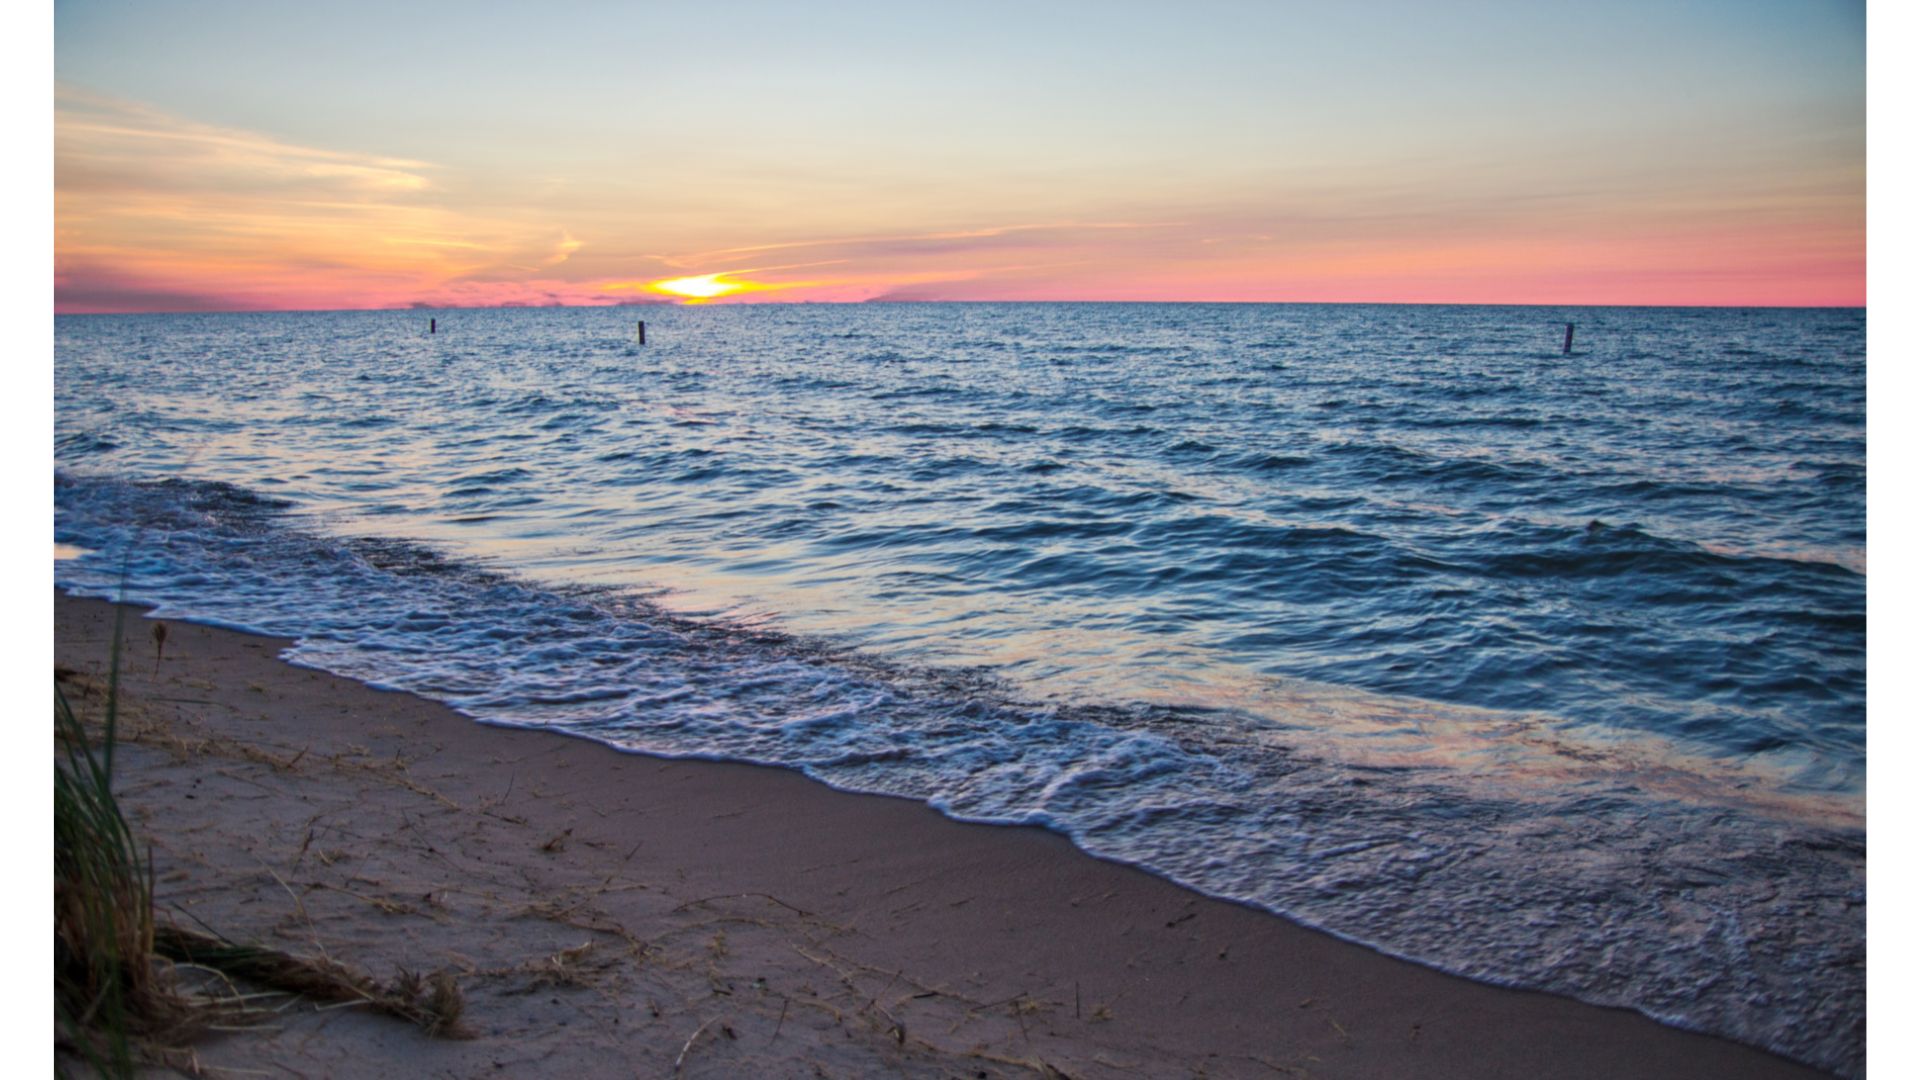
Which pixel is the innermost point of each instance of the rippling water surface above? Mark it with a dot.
(1545, 669)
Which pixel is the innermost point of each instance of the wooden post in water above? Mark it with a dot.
(640, 329)
(433, 326)
(1568, 347)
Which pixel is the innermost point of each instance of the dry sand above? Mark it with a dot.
(611, 914)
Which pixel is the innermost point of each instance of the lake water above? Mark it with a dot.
(1545, 669)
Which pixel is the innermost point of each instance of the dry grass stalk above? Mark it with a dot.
(682, 1059)
(568, 969)
(432, 1002)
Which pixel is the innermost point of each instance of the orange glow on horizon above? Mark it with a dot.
(704, 287)
(1298, 155)
(248, 221)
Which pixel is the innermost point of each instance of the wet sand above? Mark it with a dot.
(616, 914)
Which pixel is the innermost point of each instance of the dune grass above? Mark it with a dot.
(107, 995)
(117, 1000)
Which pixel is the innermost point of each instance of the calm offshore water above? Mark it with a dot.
(1546, 670)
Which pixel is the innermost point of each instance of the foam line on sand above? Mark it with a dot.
(606, 913)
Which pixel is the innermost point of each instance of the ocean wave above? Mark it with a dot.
(1339, 834)
(1360, 614)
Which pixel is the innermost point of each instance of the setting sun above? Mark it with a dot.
(705, 287)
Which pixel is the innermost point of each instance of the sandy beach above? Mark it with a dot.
(610, 914)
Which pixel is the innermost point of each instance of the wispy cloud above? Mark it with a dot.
(147, 203)
(563, 250)
(916, 243)
(104, 144)
(160, 212)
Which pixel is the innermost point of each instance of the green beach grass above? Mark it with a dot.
(118, 997)
(108, 996)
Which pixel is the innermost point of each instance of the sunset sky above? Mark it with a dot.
(235, 156)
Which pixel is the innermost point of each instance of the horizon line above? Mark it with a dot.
(880, 301)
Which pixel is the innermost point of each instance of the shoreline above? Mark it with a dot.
(712, 918)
